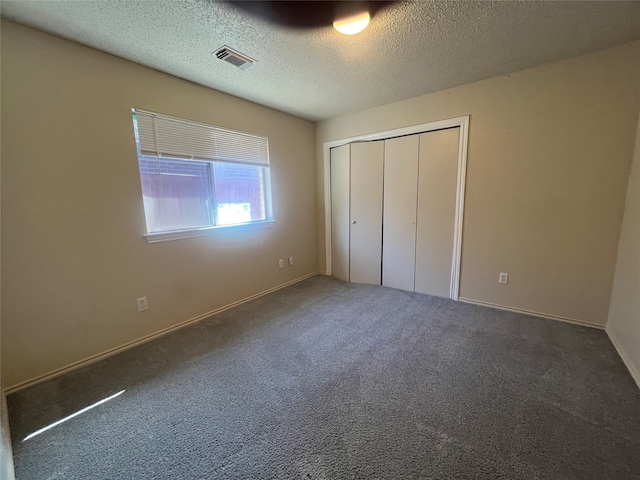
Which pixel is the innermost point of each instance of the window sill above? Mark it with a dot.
(201, 232)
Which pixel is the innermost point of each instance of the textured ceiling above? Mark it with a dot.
(409, 49)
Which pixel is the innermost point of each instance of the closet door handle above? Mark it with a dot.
(354, 222)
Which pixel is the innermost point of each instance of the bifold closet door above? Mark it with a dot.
(438, 171)
(365, 265)
(340, 212)
(399, 212)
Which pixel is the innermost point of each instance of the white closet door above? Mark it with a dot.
(340, 212)
(400, 194)
(366, 212)
(438, 171)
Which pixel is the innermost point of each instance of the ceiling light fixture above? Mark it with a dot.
(352, 24)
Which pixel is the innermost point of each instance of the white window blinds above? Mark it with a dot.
(164, 136)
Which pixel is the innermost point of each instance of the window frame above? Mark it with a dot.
(191, 232)
(204, 231)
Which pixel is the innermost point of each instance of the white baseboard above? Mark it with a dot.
(113, 351)
(533, 313)
(635, 374)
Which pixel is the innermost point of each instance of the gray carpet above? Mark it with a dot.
(329, 380)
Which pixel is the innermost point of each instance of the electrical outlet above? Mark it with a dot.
(503, 278)
(290, 261)
(281, 263)
(143, 304)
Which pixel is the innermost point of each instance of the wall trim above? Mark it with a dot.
(463, 124)
(533, 313)
(635, 374)
(113, 351)
(7, 470)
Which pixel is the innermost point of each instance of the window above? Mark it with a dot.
(198, 177)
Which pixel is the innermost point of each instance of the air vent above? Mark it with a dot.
(234, 57)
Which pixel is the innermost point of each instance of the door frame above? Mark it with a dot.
(463, 124)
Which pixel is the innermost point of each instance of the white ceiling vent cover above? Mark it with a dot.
(234, 57)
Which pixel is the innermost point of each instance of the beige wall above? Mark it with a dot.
(73, 257)
(548, 161)
(6, 451)
(624, 313)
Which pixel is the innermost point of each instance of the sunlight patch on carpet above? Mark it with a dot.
(79, 412)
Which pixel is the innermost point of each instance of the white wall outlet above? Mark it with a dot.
(143, 304)
(503, 278)
(290, 261)
(281, 263)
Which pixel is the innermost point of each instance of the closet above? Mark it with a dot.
(356, 211)
(393, 209)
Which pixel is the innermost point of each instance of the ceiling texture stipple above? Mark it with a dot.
(409, 48)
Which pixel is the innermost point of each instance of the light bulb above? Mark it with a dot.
(353, 24)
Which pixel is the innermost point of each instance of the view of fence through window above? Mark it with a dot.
(185, 194)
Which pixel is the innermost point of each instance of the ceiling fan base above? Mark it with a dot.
(307, 14)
